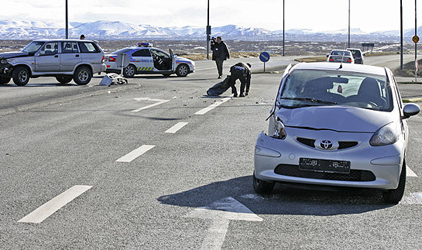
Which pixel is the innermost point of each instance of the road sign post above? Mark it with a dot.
(264, 57)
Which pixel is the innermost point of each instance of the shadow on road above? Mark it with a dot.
(284, 200)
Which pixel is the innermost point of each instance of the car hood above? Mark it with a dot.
(12, 54)
(342, 119)
(182, 59)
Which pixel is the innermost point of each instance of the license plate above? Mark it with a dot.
(324, 166)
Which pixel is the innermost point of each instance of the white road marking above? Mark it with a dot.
(212, 106)
(135, 153)
(158, 102)
(412, 199)
(44, 211)
(176, 127)
(410, 173)
(221, 212)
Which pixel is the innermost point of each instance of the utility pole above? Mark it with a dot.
(284, 30)
(401, 34)
(67, 22)
(208, 30)
(348, 36)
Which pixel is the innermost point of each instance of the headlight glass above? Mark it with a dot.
(386, 135)
(279, 130)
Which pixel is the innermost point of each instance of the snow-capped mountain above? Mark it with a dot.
(120, 30)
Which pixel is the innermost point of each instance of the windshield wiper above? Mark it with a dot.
(308, 99)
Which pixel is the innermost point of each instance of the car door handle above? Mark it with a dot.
(56, 56)
(76, 55)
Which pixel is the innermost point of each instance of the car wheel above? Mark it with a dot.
(261, 186)
(129, 71)
(21, 75)
(182, 70)
(64, 79)
(394, 196)
(4, 80)
(82, 75)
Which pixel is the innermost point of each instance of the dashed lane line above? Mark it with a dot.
(158, 102)
(44, 211)
(135, 153)
(410, 173)
(176, 127)
(212, 106)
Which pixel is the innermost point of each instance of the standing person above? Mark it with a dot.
(242, 72)
(82, 37)
(220, 53)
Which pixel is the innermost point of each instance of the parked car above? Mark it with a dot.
(64, 59)
(145, 59)
(340, 56)
(338, 125)
(357, 55)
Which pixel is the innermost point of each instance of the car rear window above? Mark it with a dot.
(88, 47)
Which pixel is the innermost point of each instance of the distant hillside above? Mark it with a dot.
(120, 30)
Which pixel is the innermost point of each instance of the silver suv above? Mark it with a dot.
(63, 59)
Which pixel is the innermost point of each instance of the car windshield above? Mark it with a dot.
(340, 53)
(304, 88)
(32, 47)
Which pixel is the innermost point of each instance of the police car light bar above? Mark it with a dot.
(144, 44)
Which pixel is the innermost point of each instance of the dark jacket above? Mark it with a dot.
(242, 72)
(220, 51)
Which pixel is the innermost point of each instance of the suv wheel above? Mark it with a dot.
(4, 80)
(182, 70)
(21, 75)
(64, 79)
(82, 75)
(129, 71)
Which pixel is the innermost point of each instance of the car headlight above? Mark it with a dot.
(386, 135)
(279, 130)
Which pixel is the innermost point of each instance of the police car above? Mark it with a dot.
(145, 59)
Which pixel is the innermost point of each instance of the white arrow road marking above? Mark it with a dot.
(410, 173)
(44, 211)
(135, 153)
(412, 199)
(212, 106)
(221, 212)
(158, 102)
(176, 127)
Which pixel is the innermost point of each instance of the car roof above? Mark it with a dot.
(62, 40)
(357, 68)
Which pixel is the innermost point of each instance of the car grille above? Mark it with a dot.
(354, 175)
(311, 143)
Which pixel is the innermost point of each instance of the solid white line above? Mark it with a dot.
(410, 173)
(176, 127)
(212, 106)
(159, 101)
(135, 153)
(44, 211)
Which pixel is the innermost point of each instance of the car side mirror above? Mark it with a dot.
(410, 109)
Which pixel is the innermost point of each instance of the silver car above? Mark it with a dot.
(339, 125)
(340, 56)
(64, 59)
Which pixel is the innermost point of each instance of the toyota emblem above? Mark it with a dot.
(326, 144)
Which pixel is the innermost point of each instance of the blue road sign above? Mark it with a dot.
(264, 57)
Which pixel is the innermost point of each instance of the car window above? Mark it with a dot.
(32, 47)
(318, 87)
(88, 47)
(49, 48)
(69, 47)
(142, 52)
(160, 53)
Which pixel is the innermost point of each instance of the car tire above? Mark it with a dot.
(261, 186)
(21, 75)
(129, 71)
(4, 80)
(82, 75)
(64, 79)
(394, 196)
(182, 70)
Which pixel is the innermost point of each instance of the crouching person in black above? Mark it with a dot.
(242, 72)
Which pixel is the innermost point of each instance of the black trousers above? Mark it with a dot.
(238, 75)
(219, 64)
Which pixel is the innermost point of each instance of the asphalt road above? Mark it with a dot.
(156, 164)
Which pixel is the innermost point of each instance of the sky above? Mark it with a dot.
(316, 15)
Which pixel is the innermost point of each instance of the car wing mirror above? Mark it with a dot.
(410, 109)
